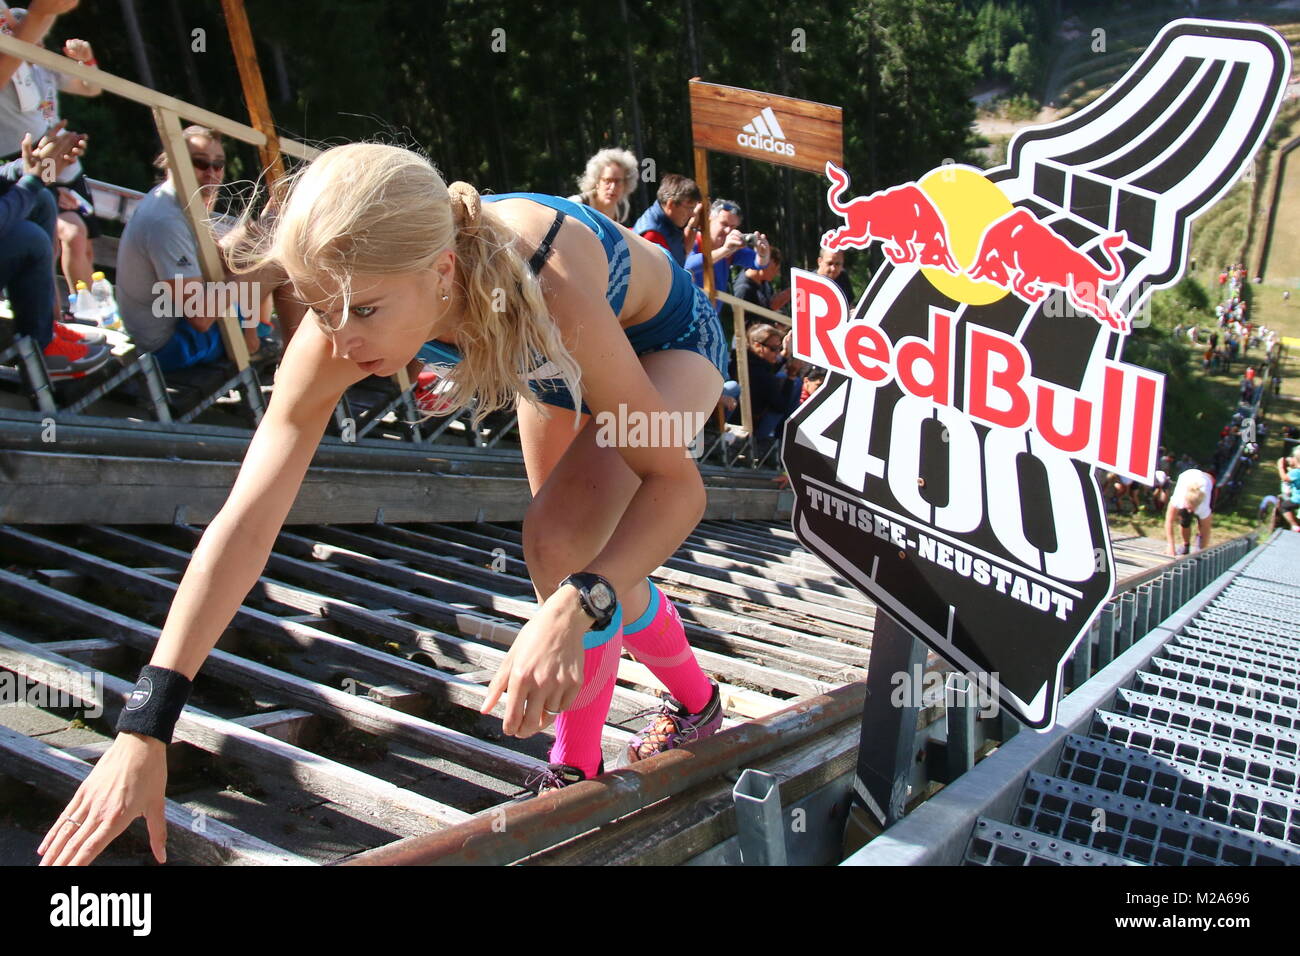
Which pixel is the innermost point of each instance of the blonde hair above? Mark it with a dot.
(1194, 496)
(590, 177)
(375, 209)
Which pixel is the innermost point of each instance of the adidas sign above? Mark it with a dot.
(765, 133)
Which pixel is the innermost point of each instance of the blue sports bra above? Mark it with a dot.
(440, 354)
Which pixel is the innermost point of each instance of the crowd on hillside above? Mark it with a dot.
(1237, 450)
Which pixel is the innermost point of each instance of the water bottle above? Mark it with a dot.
(101, 291)
(83, 306)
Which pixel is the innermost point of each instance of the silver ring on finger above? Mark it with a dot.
(75, 823)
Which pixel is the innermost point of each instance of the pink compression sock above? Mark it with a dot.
(658, 640)
(578, 729)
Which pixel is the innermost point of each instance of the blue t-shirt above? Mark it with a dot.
(744, 258)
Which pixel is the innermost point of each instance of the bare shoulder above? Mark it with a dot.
(577, 259)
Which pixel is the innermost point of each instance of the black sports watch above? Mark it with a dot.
(597, 597)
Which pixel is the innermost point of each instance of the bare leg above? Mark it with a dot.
(563, 469)
(77, 257)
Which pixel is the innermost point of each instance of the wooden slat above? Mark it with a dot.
(58, 775)
(99, 654)
(250, 78)
(778, 319)
(471, 566)
(442, 686)
(672, 832)
(807, 664)
(747, 703)
(754, 620)
(386, 803)
(455, 590)
(142, 94)
(254, 677)
(830, 622)
(288, 725)
(50, 488)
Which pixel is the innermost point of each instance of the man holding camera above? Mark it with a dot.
(731, 247)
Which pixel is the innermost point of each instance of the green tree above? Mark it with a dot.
(1021, 68)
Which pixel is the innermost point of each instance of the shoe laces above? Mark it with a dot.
(554, 777)
(684, 728)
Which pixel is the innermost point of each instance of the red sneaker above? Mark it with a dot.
(82, 334)
(67, 358)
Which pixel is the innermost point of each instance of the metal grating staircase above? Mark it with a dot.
(1182, 751)
(1195, 760)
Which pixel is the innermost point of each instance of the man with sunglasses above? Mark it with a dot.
(774, 387)
(159, 249)
(729, 249)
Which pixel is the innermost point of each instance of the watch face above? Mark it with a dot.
(600, 596)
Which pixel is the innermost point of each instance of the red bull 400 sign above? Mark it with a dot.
(946, 465)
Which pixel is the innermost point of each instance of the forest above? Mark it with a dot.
(513, 95)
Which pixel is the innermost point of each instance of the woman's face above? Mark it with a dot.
(611, 184)
(389, 318)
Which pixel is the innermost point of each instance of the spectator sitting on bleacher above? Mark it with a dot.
(670, 222)
(755, 285)
(774, 391)
(159, 247)
(27, 257)
(30, 104)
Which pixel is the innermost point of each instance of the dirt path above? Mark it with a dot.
(990, 126)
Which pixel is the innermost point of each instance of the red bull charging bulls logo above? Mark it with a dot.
(946, 466)
(1018, 252)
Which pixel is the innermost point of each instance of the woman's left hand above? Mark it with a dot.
(542, 674)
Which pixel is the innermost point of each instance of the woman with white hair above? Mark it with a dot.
(526, 301)
(607, 182)
(1190, 503)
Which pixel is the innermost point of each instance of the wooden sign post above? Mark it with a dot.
(768, 128)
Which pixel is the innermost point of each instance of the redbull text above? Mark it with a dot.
(1112, 426)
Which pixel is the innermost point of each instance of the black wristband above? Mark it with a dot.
(155, 704)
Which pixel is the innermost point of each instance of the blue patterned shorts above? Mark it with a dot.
(686, 321)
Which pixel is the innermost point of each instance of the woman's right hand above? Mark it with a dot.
(129, 781)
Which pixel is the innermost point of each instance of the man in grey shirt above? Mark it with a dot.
(166, 306)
